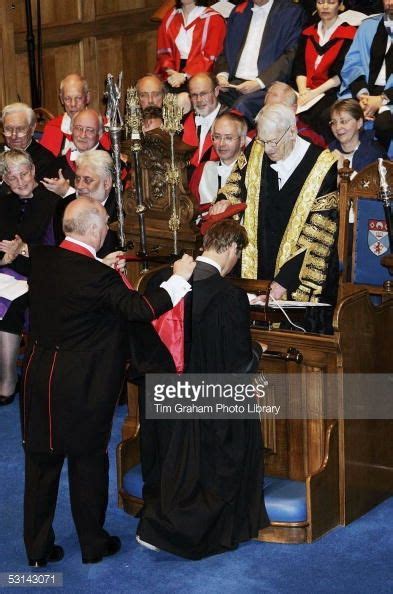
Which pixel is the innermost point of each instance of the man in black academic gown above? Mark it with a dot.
(290, 187)
(73, 375)
(19, 122)
(206, 493)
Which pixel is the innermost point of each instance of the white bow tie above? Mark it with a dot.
(222, 169)
(199, 120)
(74, 154)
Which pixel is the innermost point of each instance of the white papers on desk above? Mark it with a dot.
(309, 104)
(11, 288)
(278, 303)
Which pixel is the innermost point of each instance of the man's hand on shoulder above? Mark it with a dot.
(184, 266)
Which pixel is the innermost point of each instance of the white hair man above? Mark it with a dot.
(93, 179)
(74, 95)
(289, 186)
(19, 122)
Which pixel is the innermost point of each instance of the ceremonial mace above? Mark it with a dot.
(133, 128)
(385, 195)
(114, 125)
(172, 115)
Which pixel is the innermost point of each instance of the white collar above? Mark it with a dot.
(285, 167)
(207, 260)
(66, 124)
(82, 244)
(75, 152)
(194, 14)
(225, 167)
(324, 37)
(206, 121)
(264, 9)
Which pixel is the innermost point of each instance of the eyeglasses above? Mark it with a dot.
(274, 143)
(202, 95)
(18, 131)
(340, 121)
(224, 138)
(88, 131)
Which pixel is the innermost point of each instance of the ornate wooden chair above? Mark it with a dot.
(363, 244)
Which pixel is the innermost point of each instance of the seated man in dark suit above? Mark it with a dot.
(74, 372)
(19, 122)
(259, 49)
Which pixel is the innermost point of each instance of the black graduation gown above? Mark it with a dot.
(203, 478)
(31, 219)
(77, 349)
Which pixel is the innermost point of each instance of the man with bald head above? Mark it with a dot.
(197, 126)
(74, 95)
(79, 309)
(87, 128)
(150, 89)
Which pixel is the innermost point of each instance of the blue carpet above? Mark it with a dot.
(357, 558)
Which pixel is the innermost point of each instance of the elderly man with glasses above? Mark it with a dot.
(87, 128)
(291, 218)
(198, 124)
(19, 122)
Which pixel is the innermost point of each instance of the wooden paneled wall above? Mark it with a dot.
(93, 37)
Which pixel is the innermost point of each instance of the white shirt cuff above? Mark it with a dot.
(70, 191)
(177, 287)
(260, 82)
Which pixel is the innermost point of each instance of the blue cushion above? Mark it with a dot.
(371, 244)
(285, 499)
(132, 481)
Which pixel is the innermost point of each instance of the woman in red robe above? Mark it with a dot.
(190, 38)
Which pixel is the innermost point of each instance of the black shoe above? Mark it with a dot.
(56, 554)
(113, 546)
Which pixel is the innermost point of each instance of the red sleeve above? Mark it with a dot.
(52, 136)
(203, 56)
(165, 57)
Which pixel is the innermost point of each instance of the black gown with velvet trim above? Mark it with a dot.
(203, 478)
